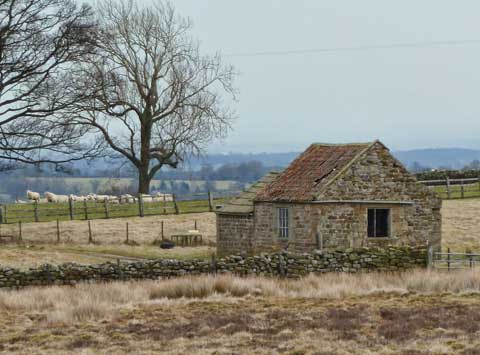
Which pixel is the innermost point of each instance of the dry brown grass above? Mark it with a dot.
(113, 231)
(413, 313)
(460, 227)
(460, 232)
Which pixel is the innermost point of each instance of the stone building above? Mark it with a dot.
(332, 197)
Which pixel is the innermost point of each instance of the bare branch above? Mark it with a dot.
(149, 91)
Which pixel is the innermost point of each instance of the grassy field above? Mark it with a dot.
(417, 313)
(459, 227)
(470, 191)
(14, 213)
(39, 240)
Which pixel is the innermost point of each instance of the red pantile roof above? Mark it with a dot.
(307, 174)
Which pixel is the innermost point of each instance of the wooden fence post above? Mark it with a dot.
(164, 204)
(70, 207)
(1, 214)
(105, 205)
(20, 237)
(58, 230)
(141, 210)
(5, 217)
(449, 192)
(174, 197)
(470, 258)
(85, 209)
(214, 264)
(90, 236)
(429, 256)
(35, 210)
(127, 240)
(462, 189)
(163, 233)
(210, 201)
(448, 258)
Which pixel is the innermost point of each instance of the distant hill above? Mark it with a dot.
(267, 159)
(454, 158)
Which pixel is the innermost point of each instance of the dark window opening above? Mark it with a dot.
(378, 223)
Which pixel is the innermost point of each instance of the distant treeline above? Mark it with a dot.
(452, 174)
(244, 172)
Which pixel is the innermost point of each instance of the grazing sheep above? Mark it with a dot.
(62, 198)
(127, 198)
(160, 197)
(33, 196)
(101, 198)
(50, 196)
(17, 201)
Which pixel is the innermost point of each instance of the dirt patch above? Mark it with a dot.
(405, 324)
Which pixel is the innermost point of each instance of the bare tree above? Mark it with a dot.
(148, 91)
(40, 40)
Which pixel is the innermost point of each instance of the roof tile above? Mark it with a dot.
(310, 172)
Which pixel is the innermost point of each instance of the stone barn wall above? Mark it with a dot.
(234, 233)
(333, 225)
(378, 176)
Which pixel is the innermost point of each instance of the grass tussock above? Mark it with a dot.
(95, 301)
(324, 286)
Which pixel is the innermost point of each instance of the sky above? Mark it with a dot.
(408, 97)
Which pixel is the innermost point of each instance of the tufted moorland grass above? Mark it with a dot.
(419, 312)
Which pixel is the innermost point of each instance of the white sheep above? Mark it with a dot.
(167, 197)
(17, 201)
(129, 198)
(33, 196)
(62, 198)
(101, 198)
(50, 196)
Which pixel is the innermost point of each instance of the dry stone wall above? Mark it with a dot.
(277, 264)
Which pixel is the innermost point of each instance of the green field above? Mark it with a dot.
(14, 213)
(469, 191)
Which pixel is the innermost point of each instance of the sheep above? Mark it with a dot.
(147, 198)
(33, 196)
(91, 197)
(17, 201)
(101, 198)
(50, 196)
(127, 198)
(161, 197)
(62, 198)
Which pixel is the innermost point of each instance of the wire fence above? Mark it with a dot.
(190, 230)
(140, 206)
(454, 188)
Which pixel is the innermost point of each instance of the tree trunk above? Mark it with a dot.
(143, 181)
